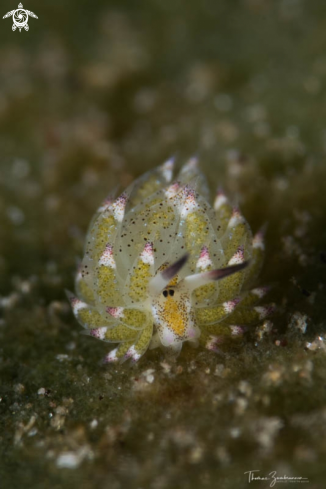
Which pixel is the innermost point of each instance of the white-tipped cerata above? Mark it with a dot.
(133, 354)
(190, 203)
(260, 292)
(190, 166)
(172, 190)
(107, 257)
(230, 306)
(167, 169)
(236, 218)
(105, 204)
(119, 207)
(265, 311)
(112, 356)
(236, 330)
(76, 303)
(115, 312)
(220, 200)
(147, 255)
(204, 261)
(98, 333)
(238, 257)
(258, 241)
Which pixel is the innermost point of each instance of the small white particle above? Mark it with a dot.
(16, 215)
(68, 460)
(62, 356)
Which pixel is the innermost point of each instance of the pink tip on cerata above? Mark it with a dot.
(105, 204)
(77, 304)
(192, 164)
(204, 260)
(236, 218)
(119, 207)
(229, 306)
(236, 330)
(115, 312)
(107, 257)
(265, 311)
(98, 333)
(220, 199)
(172, 190)
(238, 257)
(258, 241)
(260, 291)
(71, 297)
(111, 357)
(133, 354)
(167, 169)
(147, 255)
(213, 342)
(189, 204)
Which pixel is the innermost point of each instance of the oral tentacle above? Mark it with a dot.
(162, 279)
(192, 282)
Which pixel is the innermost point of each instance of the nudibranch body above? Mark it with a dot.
(162, 267)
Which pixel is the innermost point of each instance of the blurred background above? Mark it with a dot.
(93, 95)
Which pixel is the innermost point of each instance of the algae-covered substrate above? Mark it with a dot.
(91, 97)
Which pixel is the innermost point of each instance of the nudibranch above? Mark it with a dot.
(162, 267)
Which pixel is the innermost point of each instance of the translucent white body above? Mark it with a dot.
(162, 267)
